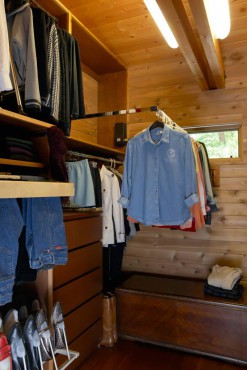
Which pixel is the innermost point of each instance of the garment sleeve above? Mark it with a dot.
(24, 54)
(191, 196)
(117, 210)
(5, 83)
(127, 177)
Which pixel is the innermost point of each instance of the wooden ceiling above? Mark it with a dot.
(126, 28)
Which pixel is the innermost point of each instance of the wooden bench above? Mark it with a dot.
(176, 313)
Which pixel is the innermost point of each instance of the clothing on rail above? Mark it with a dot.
(47, 63)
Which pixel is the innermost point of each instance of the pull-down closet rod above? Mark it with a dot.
(153, 108)
(82, 155)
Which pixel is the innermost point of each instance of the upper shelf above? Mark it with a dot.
(34, 125)
(94, 54)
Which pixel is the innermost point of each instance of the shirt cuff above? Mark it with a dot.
(124, 202)
(191, 200)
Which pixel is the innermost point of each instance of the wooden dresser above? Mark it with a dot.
(78, 285)
(176, 313)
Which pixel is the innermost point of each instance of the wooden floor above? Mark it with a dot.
(128, 355)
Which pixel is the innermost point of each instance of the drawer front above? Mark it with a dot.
(80, 261)
(147, 318)
(84, 231)
(212, 329)
(86, 344)
(82, 318)
(78, 291)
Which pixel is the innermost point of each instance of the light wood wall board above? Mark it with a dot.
(112, 96)
(86, 129)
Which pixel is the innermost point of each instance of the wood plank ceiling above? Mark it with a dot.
(126, 28)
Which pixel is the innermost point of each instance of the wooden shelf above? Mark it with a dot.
(34, 189)
(13, 162)
(19, 120)
(94, 54)
(34, 125)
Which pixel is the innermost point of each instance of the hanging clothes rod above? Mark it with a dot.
(72, 155)
(153, 108)
(36, 4)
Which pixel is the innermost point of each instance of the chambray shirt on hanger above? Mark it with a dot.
(159, 180)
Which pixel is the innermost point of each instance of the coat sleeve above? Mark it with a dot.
(117, 210)
(5, 83)
(127, 177)
(191, 196)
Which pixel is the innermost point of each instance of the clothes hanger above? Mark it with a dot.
(160, 122)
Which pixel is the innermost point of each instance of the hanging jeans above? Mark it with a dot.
(45, 232)
(11, 226)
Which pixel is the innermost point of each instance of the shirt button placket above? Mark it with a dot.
(156, 195)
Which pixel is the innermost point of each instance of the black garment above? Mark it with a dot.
(112, 266)
(41, 26)
(64, 119)
(79, 81)
(235, 293)
(97, 185)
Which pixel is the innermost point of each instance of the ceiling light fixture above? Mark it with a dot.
(218, 17)
(161, 23)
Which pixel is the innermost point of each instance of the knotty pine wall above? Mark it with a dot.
(171, 86)
(86, 129)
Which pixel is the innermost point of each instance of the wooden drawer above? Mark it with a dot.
(80, 261)
(86, 344)
(78, 291)
(82, 318)
(83, 231)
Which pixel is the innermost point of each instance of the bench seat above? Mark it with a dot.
(176, 313)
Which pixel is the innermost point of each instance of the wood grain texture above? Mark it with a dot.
(83, 232)
(138, 355)
(80, 261)
(176, 313)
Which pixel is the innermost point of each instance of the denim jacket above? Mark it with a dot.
(159, 181)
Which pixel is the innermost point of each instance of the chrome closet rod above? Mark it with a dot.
(153, 108)
(82, 155)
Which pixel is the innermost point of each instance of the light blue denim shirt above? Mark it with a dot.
(159, 181)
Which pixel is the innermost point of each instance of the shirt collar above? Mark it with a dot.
(165, 137)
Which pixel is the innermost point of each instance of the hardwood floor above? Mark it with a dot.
(128, 355)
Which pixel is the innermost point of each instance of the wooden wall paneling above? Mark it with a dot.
(86, 129)
(112, 96)
(65, 22)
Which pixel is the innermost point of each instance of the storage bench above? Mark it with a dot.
(176, 313)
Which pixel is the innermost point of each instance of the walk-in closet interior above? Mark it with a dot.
(118, 221)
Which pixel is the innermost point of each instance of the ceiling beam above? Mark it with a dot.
(209, 43)
(175, 15)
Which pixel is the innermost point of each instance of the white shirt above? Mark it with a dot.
(5, 82)
(112, 210)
